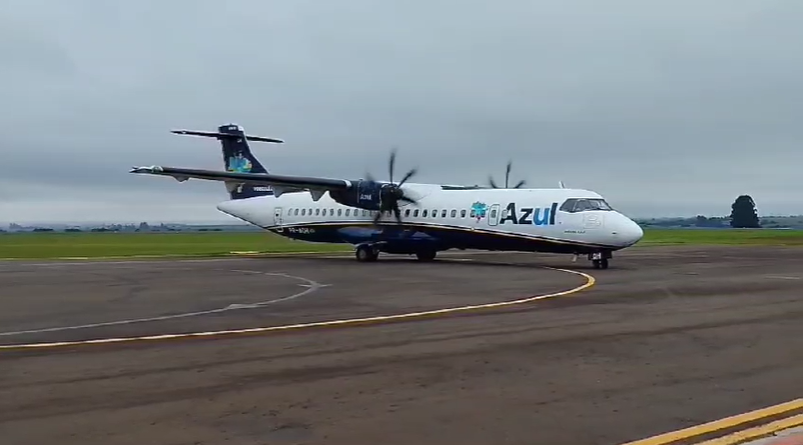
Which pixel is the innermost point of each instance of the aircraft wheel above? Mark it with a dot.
(426, 255)
(366, 253)
(600, 264)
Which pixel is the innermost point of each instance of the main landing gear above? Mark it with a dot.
(367, 253)
(370, 252)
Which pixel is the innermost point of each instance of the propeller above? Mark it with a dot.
(507, 179)
(391, 193)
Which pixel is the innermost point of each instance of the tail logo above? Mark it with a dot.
(239, 164)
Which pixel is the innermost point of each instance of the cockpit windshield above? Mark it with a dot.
(574, 205)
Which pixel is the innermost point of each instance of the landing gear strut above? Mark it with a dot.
(600, 259)
(426, 255)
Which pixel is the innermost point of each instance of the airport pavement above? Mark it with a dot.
(665, 339)
(792, 437)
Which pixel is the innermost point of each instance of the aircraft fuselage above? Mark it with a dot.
(530, 220)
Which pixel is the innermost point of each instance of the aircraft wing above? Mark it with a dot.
(293, 182)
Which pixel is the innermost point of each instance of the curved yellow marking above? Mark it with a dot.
(379, 319)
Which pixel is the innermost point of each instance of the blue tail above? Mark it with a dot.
(237, 157)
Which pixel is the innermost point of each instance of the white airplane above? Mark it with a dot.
(428, 218)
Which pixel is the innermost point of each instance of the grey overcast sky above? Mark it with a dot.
(666, 108)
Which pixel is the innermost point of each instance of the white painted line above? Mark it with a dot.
(783, 277)
(590, 281)
(311, 286)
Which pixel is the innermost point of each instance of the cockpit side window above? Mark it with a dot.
(582, 205)
(574, 205)
(568, 205)
(599, 204)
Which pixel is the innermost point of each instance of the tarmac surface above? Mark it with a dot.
(665, 339)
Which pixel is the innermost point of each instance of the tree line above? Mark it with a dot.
(743, 215)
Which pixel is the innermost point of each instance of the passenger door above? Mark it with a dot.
(277, 218)
(493, 215)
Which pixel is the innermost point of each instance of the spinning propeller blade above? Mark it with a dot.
(507, 179)
(392, 193)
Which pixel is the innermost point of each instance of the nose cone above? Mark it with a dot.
(629, 231)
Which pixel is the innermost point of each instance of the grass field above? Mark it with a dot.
(63, 245)
(58, 245)
(759, 237)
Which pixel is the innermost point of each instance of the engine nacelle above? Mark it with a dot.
(363, 194)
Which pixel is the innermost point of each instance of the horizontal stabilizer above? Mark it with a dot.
(215, 134)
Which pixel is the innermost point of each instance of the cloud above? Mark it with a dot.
(665, 109)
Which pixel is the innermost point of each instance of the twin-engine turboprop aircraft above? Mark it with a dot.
(426, 218)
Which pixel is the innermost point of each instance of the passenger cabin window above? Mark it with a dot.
(348, 212)
(443, 213)
(454, 213)
(415, 213)
(463, 213)
(424, 214)
(407, 212)
(493, 213)
(574, 205)
(317, 212)
(339, 212)
(303, 212)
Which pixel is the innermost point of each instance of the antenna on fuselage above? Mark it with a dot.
(560, 184)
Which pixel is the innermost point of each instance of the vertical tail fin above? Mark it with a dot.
(237, 157)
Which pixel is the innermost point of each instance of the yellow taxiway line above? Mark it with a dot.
(756, 432)
(730, 422)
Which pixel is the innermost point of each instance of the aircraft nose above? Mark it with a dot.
(630, 232)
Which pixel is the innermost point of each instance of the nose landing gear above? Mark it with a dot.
(600, 259)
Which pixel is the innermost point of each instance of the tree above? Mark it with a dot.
(743, 213)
